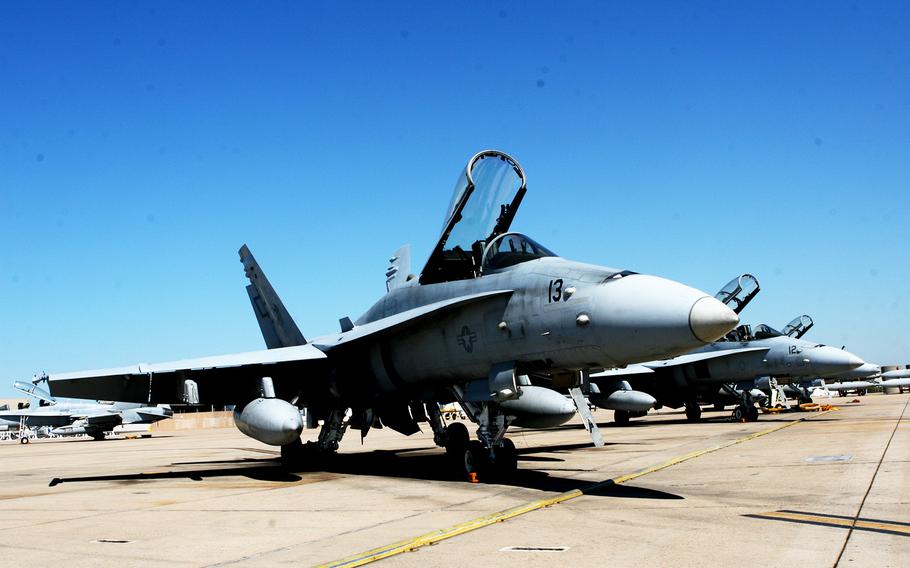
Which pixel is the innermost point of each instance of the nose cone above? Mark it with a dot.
(710, 319)
(827, 360)
(640, 318)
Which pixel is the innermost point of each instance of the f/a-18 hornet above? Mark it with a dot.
(74, 417)
(732, 367)
(489, 309)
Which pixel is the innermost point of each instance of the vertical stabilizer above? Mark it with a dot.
(399, 268)
(278, 328)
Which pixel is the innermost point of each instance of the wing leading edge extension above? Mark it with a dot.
(226, 379)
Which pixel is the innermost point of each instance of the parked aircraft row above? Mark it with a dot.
(494, 321)
(74, 417)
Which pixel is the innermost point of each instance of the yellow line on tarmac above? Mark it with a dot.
(821, 519)
(433, 537)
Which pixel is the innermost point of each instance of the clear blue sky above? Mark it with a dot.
(141, 144)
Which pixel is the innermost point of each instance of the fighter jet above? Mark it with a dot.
(489, 308)
(70, 418)
(866, 377)
(711, 371)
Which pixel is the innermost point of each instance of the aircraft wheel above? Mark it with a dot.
(476, 459)
(621, 417)
(737, 414)
(719, 406)
(457, 437)
(506, 461)
(97, 437)
(751, 414)
(23, 440)
(693, 412)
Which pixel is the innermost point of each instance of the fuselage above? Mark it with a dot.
(561, 316)
(784, 357)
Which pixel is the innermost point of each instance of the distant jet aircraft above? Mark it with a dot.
(870, 376)
(728, 367)
(489, 309)
(71, 417)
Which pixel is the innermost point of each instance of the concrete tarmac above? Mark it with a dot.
(829, 490)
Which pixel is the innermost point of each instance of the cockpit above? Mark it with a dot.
(511, 249)
(763, 331)
(475, 235)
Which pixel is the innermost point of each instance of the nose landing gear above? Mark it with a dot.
(491, 456)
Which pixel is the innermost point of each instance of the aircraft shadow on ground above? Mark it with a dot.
(404, 464)
(265, 470)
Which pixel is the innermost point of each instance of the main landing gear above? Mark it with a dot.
(693, 412)
(297, 454)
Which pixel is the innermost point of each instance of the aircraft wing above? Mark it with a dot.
(403, 319)
(100, 419)
(653, 366)
(220, 379)
(697, 357)
(623, 373)
(226, 379)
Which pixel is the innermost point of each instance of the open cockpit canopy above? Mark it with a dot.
(737, 294)
(798, 326)
(486, 197)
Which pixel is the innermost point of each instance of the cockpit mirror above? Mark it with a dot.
(737, 294)
(798, 326)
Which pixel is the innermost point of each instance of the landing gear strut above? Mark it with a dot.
(746, 409)
(490, 456)
(297, 454)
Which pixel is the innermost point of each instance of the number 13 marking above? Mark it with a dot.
(555, 292)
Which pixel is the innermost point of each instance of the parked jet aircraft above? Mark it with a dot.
(708, 373)
(68, 418)
(488, 308)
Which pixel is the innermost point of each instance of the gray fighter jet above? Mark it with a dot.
(707, 373)
(489, 308)
(72, 417)
(866, 377)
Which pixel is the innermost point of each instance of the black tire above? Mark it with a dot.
(751, 414)
(292, 455)
(97, 436)
(506, 459)
(693, 412)
(737, 414)
(457, 438)
(476, 460)
(23, 440)
(621, 417)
